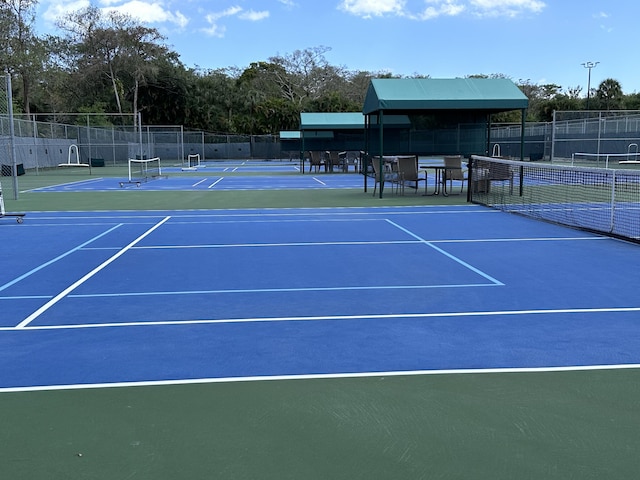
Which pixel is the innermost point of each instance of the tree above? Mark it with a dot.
(212, 101)
(557, 103)
(277, 114)
(114, 47)
(22, 53)
(164, 97)
(632, 101)
(358, 84)
(254, 88)
(609, 94)
(302, 74)
(334, 101)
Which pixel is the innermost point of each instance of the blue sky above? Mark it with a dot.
(542, 41)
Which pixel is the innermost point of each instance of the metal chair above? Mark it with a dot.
(407, 166)
(386, 175)
(316, 161)
(454, 171)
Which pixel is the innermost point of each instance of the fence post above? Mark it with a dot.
(12, 135)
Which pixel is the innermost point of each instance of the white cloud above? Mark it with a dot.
(506, 8)
(603, 16)
(373, 8)
(437, 8)
(216, 30)
(56, 9)
(254, 16)
(229, 12)
(447, 8)
(146, 11)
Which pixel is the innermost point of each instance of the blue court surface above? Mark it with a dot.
(237, 167)
(210, 181)
(107, 298)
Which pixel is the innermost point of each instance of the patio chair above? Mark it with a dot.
(386, 176)
(500, 172)
(336, 162)
(316, 161)
(407, 166)
(351, 158)
(454, 171)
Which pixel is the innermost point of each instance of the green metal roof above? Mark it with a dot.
(331, 121)
(289, 135)
(410, 94)
(346, 121)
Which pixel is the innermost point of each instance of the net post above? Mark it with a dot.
(613, 202)
(521, 182)
(470, 175)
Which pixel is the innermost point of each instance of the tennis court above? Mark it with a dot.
(388, 342)
(238, 166)
(206, 182)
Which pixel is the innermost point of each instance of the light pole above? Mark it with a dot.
(589, 65)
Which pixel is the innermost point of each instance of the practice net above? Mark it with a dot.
(595, 199)
(143, 170)
(604, 159)
(192, 162)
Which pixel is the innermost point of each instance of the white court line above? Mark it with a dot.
(76, 284)
(283, 290)
(291, 244)
(327, 318)
(322, 376)
(68, 184)
(201, 181)
(215, 183)
(282, 212)
(319, 181)
(59, 257)
(347, 243)
(452, 257)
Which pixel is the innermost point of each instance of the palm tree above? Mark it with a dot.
(610, 95)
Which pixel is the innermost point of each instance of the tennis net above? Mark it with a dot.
(596, 199)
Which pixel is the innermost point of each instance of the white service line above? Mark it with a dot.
(76, 284)
(215, 183)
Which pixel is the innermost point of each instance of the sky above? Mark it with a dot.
(536, 41)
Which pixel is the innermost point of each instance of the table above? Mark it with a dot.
(441, 178)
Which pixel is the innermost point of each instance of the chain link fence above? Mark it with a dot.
(570, 133)
(595, 132)
(47, 141)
